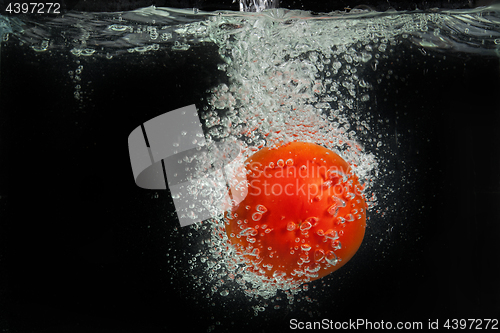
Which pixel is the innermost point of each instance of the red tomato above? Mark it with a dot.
(304, 215)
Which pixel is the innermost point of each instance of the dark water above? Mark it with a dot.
(83, 249)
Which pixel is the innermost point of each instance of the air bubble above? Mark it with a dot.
(312, 268)
(249, 232)
(349, 195)
(256, 216)
(349, 217)
(331, 234)
(336, 245)
(319, 255)
(331, 258)
(335, 174)
(278, 275)
(261, 208)
(327, 184)
(339, 220)
(305, 247)
(305, 226)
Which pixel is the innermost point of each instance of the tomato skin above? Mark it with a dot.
(304, 215)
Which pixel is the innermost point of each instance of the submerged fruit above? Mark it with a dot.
(304, 215)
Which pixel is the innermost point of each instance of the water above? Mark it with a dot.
(287, 75)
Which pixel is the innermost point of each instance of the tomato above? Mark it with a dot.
(304, 215)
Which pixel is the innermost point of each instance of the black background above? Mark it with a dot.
(83, 249)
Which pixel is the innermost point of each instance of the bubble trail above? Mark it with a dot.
(284, 89)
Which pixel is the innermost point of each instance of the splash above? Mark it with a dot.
(257, 5)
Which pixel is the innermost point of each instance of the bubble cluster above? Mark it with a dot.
(283, 89)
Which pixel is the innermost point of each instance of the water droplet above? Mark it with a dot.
(289, 162)
(305, 247)
(336, 245)
(224, 292)
(280, 163)
(268, 230)
(291, 226)
(271, 165)
(251, 240)
(320, 232)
